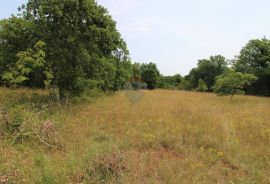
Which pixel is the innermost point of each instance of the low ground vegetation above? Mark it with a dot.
(164, 136)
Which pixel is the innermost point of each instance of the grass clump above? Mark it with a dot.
(109, 167)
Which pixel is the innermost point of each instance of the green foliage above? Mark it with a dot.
(170, 82)
(150, 75)
(74, 46)
(28, 61)
(207, 70)
(231, 83)
(201, 86)
(136, 77)
(16, 35)
(185, 84)
(123, 67)
(136, 70)
(254, 59)
(86, 47)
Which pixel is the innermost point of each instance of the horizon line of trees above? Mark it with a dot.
(247, 73)
(74, 46)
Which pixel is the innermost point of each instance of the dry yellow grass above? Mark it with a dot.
(164, 137)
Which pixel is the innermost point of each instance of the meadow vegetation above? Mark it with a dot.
(59, 58)
(160, 136)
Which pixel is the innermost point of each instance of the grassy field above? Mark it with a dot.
(138, 137)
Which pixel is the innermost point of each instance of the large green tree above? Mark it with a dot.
(150, 75)
(207, 70)
(254, 59)
(83, 46)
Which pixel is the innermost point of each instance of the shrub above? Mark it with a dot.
(185, 85)
(19, 125)
(108, 167)
(202, 87)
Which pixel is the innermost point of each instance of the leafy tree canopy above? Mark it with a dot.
(150, 75)
(170, 82)
(254, 59)
(231, 83)
(82, 44)
(207, 70)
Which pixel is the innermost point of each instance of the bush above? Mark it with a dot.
(108, 167)
(18, 125)
(202, 87)
(185, 85)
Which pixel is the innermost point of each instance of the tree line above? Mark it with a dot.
(74, 46)
(249, 72)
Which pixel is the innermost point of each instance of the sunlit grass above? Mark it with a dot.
(164, 137)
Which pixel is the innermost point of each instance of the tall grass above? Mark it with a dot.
(162, 136)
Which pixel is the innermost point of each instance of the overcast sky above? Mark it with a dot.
(176, 33)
